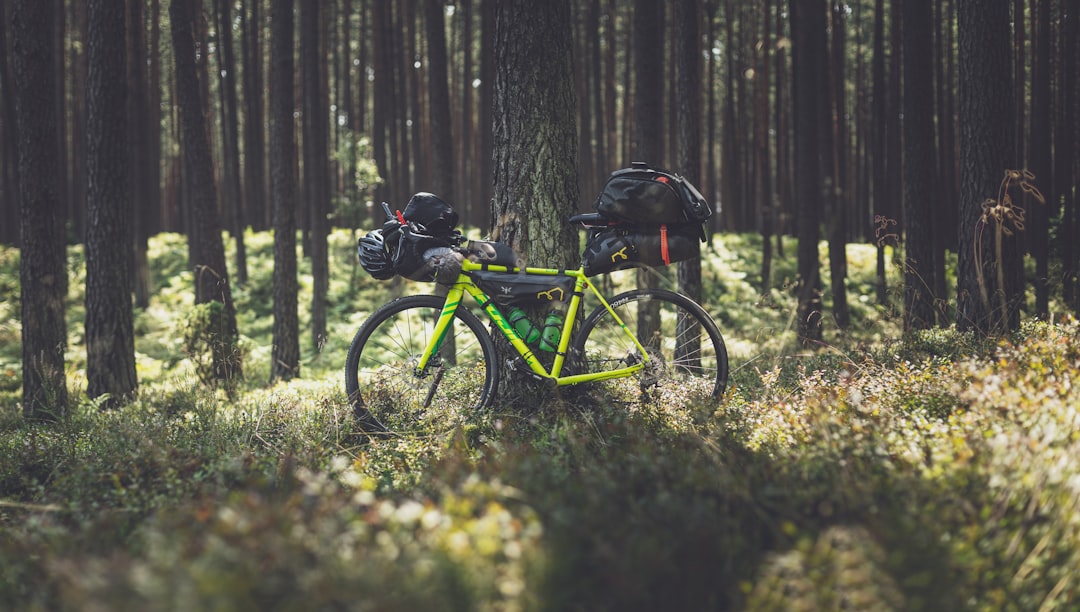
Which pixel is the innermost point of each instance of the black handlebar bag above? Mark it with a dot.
(412, 254)
(430, 211)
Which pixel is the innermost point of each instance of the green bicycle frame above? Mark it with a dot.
(464, 284)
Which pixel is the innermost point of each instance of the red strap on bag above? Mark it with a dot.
(664, 246)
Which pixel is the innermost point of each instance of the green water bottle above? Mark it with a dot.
(549, 338)
(522, 325)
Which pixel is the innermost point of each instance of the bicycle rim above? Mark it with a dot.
(387, 391)
(687, 357)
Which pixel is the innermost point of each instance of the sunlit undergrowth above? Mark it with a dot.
(937, 471)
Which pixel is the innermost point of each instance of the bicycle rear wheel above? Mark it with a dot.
(687, 357)
(386, 390)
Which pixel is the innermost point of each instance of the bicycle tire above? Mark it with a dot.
(385, 391)
(687, 355)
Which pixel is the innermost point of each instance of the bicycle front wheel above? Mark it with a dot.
(687, 358)
(387, 390)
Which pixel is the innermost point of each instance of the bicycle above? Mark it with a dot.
(430, 358)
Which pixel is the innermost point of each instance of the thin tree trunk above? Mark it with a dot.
(316, 163)
(808, 31)
(989, 278)
(42, 266)
(255, 192)
(688, 112)
(285, 356)
(110, 336)
(230, 139)
(761, 148)
(918, 104)
(442, 175)
(879, 152)
(9, 190)
(835, 153)
(208, 263)
(1039, 161)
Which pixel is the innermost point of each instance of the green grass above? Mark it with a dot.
(936, 471)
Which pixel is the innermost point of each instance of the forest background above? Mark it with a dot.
(817, 120)
(394, 98)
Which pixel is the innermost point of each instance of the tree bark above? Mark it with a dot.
(316, 163)
(992, 304)
(140, 133)
(808, 31)
(42, 268)
(918, 173)
(647, 142)
(535, 166)
(1039, 160)
(9, 153)
(230, 138)
(285, 355)
(208, 252)
(255, 194)
(835, 154)
(110, 335)
(535, 139)
(688, 113)
(442, 166)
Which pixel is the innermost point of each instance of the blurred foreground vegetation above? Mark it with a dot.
(939, 471)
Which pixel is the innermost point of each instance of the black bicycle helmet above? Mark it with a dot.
(373, 256)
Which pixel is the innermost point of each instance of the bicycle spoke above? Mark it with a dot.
(381, 374)
(685, 353)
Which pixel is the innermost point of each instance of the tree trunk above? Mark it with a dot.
(75, 156)
(442, 175)
(487, 110)
(42, 268)
(208, 263)
(285, 355)
(255, 196)
(989, 277)
(883, 215)
(316, 163)
(835, 154)
(808, 32)
(1039, 161)
(918, 104)
(1068, 157)
(9, 153)
(140, 134)
(230, 138)
(688, 113)
(647, 142)
(764, 188)
(535, 141)
(467, 188)
(382, 103)
(534, 133)
(110, 335)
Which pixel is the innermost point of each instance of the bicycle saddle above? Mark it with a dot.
(590, 220)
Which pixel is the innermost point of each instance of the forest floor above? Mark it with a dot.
(938, 470)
